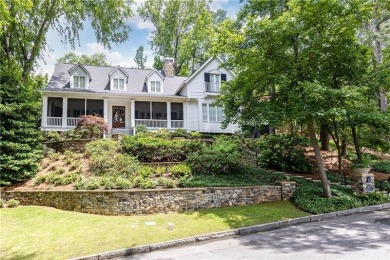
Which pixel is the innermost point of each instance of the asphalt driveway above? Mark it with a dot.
(357, 236)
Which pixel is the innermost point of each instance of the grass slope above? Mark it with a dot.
(33, 232)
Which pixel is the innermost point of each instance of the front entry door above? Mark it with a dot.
(118, 117)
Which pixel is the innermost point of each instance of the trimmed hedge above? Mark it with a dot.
(153, 149)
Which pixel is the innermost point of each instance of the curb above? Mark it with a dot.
(230, 233)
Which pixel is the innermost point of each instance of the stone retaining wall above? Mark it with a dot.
(133, 202)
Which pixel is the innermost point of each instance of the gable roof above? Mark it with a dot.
(100, 83)
(82, 67)
(199, 70)
(155, 71)
(120, 68)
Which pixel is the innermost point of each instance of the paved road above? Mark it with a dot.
(359, 236)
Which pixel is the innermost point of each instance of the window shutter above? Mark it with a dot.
(207, 77)
(223, 77)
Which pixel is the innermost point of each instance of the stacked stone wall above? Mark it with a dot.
(132, 202)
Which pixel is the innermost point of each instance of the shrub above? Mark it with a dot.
(162, 133)
(145, 171)
(2, 203)
(70, 177)
(179, 132)
(12, 203)
(54, 156)
(39, 180)
(195, 135)
(92, 126)
(209, 161)
(107, 146)
(180, 170)
(75, 165)
(246, 176)
(74, 134)
(160, 170)
(147, 184)
(117, 165)
(92, 183)
(52, 136)
(381, 166)
(283, 153)
(166, 183)
(141, 129)
(152, 149)
(123, 183)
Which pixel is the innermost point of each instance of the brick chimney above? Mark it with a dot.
(168, 68)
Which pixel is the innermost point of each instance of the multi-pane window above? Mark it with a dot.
(212, 113)
(79, 107)
(204, 112)
(155, 86)
(150, 110)
(119, 84)
(78, 81)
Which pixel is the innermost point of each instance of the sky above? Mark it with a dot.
(122, 54)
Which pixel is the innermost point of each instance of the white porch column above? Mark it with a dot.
(44, 112)
(64, 112)
(185, 116)
(132, 113)
(169, 125)
(105, 110)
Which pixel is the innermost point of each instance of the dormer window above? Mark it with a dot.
(155, 86)
(79, 77)
(79, 82)
(118, 79)
(213, 81)
(118, 84)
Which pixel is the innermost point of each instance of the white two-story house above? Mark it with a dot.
(127, 97)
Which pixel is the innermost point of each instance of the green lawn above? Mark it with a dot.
(46, 233)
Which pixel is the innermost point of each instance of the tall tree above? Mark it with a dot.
(380, 16)
(20, 140)
(97, 59)
(302, 51)
(23, 36)
(23, 28)
(140, 59)
(183, 30)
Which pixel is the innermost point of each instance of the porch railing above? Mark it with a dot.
(54, 121)
(72, 121)
(212, 86)
(177, 124)
(57, 121)
(152, 123)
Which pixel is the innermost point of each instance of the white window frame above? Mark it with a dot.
(215, 81)
(153, 86)
(218, 113)
(78, 82)
(116, 84)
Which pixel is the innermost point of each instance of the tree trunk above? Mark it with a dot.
(356, 144)
(324, 137)
(321, 170)
(378, 59)
(344, 146)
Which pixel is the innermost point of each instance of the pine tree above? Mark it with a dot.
(140, 59)
(20, 140)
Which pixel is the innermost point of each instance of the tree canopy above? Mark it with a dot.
(97, 59)
(25, 24)
(297, 63)
(183, 30)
